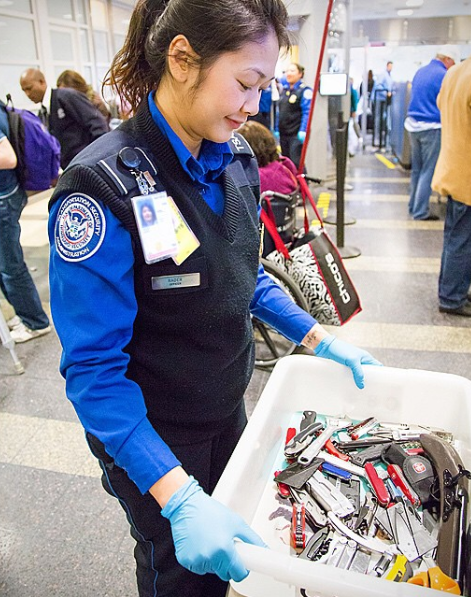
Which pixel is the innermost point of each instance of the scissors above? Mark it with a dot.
(434, 578)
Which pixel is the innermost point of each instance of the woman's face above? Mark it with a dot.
(292, 74)
(147, 214)
(229, 93)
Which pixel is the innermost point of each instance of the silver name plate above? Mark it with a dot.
(178, 281)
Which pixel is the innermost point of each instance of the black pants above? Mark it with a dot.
(158, 572)
(262, 118)
(291, 147)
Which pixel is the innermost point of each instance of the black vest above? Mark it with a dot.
(192, 347)
(290, 115)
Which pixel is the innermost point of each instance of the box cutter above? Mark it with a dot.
(313, 449)
(302, 440)
(404, 431)
(328, 496)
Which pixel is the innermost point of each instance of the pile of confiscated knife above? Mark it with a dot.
(384, 499)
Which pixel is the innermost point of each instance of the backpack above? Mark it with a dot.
(37, 151)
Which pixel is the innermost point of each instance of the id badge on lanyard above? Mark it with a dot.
(162, 228)
(156, 227)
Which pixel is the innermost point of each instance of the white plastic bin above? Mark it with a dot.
(300, 383)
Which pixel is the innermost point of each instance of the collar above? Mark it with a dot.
(435, 61)
(297, 85)
(47, 99)
(212, 160)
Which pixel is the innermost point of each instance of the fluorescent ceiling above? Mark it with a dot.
(387, 9)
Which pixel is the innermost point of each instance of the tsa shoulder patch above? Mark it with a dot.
(80, 227)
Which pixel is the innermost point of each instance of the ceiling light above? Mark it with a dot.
(405, 12)
(414, 3)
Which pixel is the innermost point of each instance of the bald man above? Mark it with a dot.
(68, 114)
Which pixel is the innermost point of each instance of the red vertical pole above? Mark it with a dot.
(315, 87)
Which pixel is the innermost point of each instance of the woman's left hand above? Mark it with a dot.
(346, 354)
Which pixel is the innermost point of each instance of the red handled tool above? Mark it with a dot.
(283, 489)
(290, 433)
(397, 477)
(378, 485)
(331, 449)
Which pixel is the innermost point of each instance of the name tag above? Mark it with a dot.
(179, 281)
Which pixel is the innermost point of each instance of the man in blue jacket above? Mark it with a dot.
(68, 114)
(424, 127)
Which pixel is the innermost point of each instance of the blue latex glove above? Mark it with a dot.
(346, 354)
(276, 134)
(203, 533)
(301, 136)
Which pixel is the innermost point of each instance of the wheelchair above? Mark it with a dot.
(270, 346)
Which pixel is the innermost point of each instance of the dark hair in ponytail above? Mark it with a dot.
(213, 27)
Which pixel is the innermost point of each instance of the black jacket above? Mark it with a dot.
(74, 121)
(192, 347)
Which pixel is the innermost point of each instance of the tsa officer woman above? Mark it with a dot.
(158, 348)
(294, 106)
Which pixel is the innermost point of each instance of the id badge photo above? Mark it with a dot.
(155, 223)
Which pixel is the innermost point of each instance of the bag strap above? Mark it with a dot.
(305, 192)
(269, 210)
(273, 232)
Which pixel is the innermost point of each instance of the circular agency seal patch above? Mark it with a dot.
(80, 227)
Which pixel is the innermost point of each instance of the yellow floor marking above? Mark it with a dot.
(385, 161)
(323, 203)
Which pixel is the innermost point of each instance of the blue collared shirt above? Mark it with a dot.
(206, 171)
(94, 360)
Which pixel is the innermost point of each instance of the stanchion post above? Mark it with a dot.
(341, 139)
(382, 109)
(341, 151)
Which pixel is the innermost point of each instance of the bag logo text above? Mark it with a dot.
(334, 268)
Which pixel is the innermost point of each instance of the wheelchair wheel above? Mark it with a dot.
(269, 344)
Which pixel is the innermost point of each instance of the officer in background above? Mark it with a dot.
(264, 108)
(68, 114)
(294, 106)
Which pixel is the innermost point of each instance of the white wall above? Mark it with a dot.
(407, 60)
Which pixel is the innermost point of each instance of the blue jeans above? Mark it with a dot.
(455, 270)
(425, 147)
(16, 282)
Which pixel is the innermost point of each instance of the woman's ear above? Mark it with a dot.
(182, 59)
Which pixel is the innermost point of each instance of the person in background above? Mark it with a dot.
(293, 113)
(68, 114)
(424, 128)
(452, 179)
(74, 80)
(264, 109)
(382, 94)
(354, 99)
(384, 85)
(159, 386)
(370, 85)
(366, 102)
(16, 282)
(277, 173)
